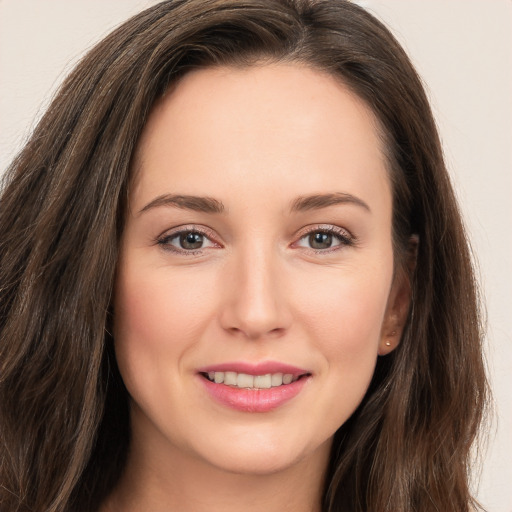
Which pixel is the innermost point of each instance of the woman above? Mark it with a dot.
(242, 279)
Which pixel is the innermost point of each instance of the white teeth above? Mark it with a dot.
(277, 379)
(244, 380)
(230, 378)
(263, 381)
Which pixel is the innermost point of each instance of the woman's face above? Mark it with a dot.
(257, 250)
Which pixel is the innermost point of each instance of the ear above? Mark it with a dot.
(399, 302)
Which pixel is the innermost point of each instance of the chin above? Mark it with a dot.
(260, 455)
(262, 463)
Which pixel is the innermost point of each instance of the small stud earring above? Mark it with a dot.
(388, 343)
(393, 333)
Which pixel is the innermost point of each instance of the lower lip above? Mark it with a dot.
(253, 400)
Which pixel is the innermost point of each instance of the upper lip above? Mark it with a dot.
(261, 368)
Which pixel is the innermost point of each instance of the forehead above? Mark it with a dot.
(281, 123)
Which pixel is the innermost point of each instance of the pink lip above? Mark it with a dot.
(254, 369)
(254, 400)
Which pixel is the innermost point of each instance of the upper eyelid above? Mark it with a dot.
(299, 235)
(346, 238)
(192, 228)
(330, 228)
(163, 240)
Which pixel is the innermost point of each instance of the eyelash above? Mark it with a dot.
(165, 239)
(344, 238)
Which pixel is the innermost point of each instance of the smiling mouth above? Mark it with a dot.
(246, 381)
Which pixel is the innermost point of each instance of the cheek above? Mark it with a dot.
(347, 309)
(344, 315)
(157, 305)
(157, 319)
(344, 319)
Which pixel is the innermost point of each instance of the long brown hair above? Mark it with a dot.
(64, 428)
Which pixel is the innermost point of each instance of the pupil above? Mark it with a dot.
(191, 240)
(320, 240)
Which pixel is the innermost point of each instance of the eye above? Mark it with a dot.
(190, 240)
(325, 238)
(186, 241)
(320, 240)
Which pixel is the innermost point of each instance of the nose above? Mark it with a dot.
(255, 298)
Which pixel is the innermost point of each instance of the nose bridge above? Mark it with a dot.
(256, 305)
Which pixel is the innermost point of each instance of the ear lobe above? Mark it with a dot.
(399, 302)
(396, 314)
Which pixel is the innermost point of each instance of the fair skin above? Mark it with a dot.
(260, 274)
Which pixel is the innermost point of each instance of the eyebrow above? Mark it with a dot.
(211, 205)
(318, 201)
(195, 203)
